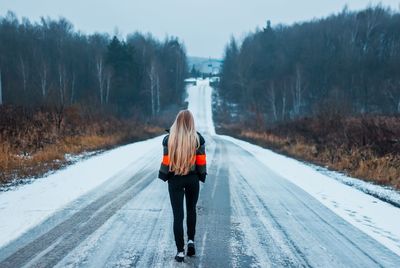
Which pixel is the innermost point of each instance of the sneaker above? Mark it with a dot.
(180, 256)
(191, 251)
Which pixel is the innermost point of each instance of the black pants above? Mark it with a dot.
(188, 186)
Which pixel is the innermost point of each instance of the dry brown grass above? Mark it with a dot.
(31, 144)
(369, 149)
(13, 165)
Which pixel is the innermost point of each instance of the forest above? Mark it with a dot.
(325, 91)
(48, 63)
(346, 63)
(63, 91)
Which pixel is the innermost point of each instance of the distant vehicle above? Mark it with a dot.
(190, 81)
(214, 80)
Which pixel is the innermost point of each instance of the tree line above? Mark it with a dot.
(346, 63)
(48, 63)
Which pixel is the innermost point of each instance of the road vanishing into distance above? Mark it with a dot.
(248, 216)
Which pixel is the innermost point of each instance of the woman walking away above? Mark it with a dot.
(183, 166)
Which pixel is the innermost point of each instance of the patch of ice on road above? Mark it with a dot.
(31, 204)
(371, 215)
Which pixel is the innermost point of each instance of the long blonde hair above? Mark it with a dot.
(182, 143)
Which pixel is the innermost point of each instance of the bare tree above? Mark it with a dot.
(272, 100)
(158, 94)
(393, 94)
(297, 92)
(100, 77)
(108, 84)
(23, 74)
(154, 89)
(62, 77)
(72, 97)
(43, 79)
(283, 113)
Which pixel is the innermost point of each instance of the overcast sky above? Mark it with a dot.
(203, 25)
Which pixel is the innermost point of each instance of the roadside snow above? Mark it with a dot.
(384, 193)
(33, 203)
(70, 159)
(373, 216)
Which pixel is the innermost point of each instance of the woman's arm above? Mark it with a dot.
(201, 161)
(164, 167)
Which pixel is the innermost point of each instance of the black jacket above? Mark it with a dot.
(199, 167)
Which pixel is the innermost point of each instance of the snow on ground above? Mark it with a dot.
(70, 159)
(31, 204)
(385, 193)
(373, 216)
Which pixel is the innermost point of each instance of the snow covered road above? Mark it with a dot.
(249, 214)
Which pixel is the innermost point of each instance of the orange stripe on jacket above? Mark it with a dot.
(201, 159)
(165, 160)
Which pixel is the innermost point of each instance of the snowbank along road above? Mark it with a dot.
(249, 214)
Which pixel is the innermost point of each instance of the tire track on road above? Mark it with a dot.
(214, 222)
(79, 226)
(318, 236)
